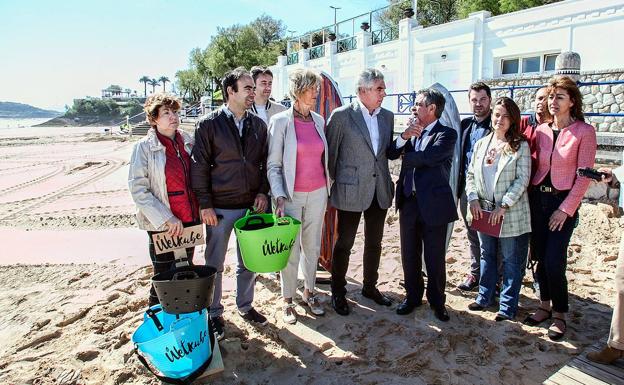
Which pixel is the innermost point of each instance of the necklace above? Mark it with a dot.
(302, 116)
(494, 151)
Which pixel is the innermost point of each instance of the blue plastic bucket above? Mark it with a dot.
(173, 346)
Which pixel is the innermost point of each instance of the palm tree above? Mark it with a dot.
(154, 83)
(163, 80)
(145, 79)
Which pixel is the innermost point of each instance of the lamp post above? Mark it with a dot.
(335, 25)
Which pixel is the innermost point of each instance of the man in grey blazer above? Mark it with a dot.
(357, 136)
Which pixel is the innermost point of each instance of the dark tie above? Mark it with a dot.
(408, 181)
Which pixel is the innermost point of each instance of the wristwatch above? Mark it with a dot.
(504, 206)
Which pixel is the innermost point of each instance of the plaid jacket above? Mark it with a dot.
(511, 181)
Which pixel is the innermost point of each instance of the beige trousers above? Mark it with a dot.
(309, 208)
(616, 335)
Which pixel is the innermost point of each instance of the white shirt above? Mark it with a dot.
(400, 142)
(238, 123)
(371, 124)
(262, 113)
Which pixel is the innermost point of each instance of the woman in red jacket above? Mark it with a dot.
(563, 145)
(159, 179)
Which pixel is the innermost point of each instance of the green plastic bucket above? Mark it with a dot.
(265, 241)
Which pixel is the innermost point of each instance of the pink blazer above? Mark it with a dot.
(575, 147)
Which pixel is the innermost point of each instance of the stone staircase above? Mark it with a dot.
(140, 129)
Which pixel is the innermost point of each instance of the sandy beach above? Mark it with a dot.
(75, 274)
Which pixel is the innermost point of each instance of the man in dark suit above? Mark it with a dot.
(358, 135)
(472, 129)
(425, 201)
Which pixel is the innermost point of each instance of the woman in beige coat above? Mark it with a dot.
(299, 179)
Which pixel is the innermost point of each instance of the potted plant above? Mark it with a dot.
(332, 36)
(408, 12)
(365, 26)
(305, 45)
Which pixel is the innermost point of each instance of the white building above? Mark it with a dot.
(478, 47)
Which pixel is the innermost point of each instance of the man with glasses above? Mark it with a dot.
(228, 175)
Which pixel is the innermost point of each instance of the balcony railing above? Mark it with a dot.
(347, 44)
(293, 58)
(317, 52)
(384, 35)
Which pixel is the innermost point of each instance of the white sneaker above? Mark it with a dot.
(315, 305)
(289, 316)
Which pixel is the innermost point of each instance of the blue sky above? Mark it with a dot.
(54, 51)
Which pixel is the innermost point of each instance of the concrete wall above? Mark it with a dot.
(457, 53)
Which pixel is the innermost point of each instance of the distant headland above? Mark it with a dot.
(11, 110)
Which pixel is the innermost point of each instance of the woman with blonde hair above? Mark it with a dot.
(562, 146)
(497, 181)
(299, 179)
(159, 179)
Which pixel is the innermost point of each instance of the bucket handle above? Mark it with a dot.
(282, 221)
(254, 218)
(152, 314)
(184, 275)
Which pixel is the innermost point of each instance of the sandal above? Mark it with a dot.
(530, 321)
(289, 316)
(555, 335)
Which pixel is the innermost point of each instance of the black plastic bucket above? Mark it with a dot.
(185, 289)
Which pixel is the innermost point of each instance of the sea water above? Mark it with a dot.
(19, 128)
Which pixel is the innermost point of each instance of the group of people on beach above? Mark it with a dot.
(520, 172)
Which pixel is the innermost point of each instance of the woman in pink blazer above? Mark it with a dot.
(563, 145)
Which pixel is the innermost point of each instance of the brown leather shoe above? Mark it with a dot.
(606, 356)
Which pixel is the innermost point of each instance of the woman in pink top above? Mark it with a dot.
(299, 179)
(555, 195)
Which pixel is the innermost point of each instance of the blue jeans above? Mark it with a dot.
(514, 253)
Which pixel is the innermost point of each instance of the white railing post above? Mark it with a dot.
(363, 41)
(331, 48)
(406, 57)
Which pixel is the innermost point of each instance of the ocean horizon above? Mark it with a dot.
(16, 128)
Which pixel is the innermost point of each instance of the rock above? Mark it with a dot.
(88, 355)
(610, 258)
(608, 99)
(618, 88)
(589, 99)
(605, 89)
(615, 108)
(451, 259)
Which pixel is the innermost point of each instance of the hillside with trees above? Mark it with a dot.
(11, 110)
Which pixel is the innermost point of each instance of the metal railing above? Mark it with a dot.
(347, 44)
(345, 28)
(405, 101)
(317, 52)
(384, 35)
(293, 58)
